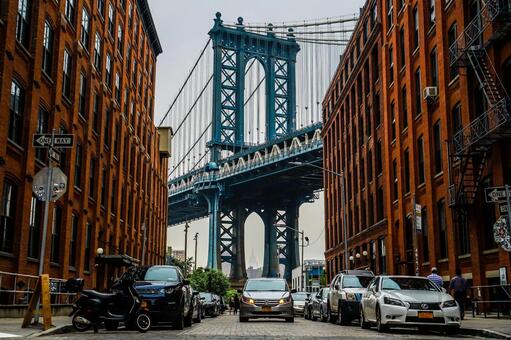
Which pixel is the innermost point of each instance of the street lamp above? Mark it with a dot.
(187, 226)
(195, 238)
(304, 239)
(343, 204)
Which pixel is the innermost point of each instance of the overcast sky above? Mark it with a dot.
(182, 27)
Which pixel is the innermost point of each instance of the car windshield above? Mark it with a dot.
(207, 296)
(408, 283)
(299, 296)
(266, 285)
(352, 281)
(161, 274)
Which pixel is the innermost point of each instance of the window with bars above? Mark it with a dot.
(16, 113)
(23, 18)
(48, 37)
(66, 74)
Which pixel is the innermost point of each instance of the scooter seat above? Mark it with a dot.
(101, 296)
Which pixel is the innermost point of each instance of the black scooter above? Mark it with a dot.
(123, 305)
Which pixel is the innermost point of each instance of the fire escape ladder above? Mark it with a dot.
(486, 75)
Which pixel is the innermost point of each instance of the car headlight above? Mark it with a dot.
(168, 290)
(449, 304)
(393, 302)
(350, 296)
(248, 300)
(282, 301)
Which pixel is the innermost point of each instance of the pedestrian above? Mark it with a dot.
(236, 304)
(458, 289)
(436, 278)
(231, 305)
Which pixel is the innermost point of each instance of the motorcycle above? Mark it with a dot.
(123, 305)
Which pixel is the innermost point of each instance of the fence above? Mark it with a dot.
(16, 290)
(491, 299)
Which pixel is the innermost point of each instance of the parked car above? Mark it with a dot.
(266, 298)
(168, 294)
(408, 301)
(346, 290)
(211, 304)
(299, 302)
(319, 305)
(307, 306)
(198, 313)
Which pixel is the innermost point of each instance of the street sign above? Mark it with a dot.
(58, 186)
(418, 217)
(44, 140)
(494, 195)
(54, 155)
(504, 209)
(501, 233)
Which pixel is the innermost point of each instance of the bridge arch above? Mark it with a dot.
(255, 98)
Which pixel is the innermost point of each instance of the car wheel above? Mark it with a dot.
(179, 322)
(291, 319)
(363, 323)
(242, 319)
(381, 327)
(143, 322)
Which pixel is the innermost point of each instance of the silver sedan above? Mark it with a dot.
(408, 301)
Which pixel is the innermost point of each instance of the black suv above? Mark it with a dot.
(346, 291)
(168, 294)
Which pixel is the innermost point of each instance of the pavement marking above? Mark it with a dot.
(7, 335)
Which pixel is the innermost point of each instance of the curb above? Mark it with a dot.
(55, 330)
(484, 333)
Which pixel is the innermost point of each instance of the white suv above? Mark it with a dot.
(346, 291)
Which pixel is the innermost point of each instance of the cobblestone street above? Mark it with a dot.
(228, 327)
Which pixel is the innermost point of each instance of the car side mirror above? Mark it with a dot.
(186, 282)
(293, 291)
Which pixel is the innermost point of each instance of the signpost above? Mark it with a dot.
(501, 228)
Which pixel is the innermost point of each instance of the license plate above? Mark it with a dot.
(267, 309)
(425, 315)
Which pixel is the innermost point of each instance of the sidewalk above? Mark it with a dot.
(11, 328)
(491, 327)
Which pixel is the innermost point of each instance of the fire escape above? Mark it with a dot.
(469, 148)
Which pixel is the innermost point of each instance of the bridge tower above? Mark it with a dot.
(233, 48)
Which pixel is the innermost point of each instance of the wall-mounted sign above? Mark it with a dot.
(501, 233)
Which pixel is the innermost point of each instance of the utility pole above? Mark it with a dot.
(186, 248)
(196, 237)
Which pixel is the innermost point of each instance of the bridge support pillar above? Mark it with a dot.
(232, 248)
(213, 199)
(271, 256)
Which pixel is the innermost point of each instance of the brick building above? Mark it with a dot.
(85, 67)
(444, 118)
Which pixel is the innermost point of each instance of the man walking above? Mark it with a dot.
(458, 289)
(436, 278)
(236, 304)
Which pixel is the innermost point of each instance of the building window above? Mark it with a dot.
(108, 69)
(432, 15)
(78, 166)
(457, 122)
(442, 229)
(130, 15)
(23, 22)
(374, 15)
(70, 11)
(368, 122)
(92, 177)
(391, 64)
(420, 147)
(376, 109)
(407, 171)
(87, 253)
(47, 48)
(66, 74)
(106, 132)
(395, 191)
(425, 235)
(118, 88)
(369, 166)
(438, 147)
(393, 122)
(85, 34)
(433, 67)
(451, 38)
(16, 112)
(101, 7)
(374, 64)
(104, 187)
(404, 111)
(55, 234)
(126, 100)
(97, 52)
(390, 8)
(42, 127)
(96, 108)
(415, 27)
(379, 204)
(82, 100)
(402, 51)
(73, 241)
(111, 20)
(7, 216)
(383, 256)
(120, 44)
(113, 196)
(34, 234)
(417, 95)
(379, 160)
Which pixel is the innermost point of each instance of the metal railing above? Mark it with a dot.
(490, 300)
(16, 290)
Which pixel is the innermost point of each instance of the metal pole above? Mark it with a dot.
(508, 201)
(415, 238)
(186, 247)
(303, 274)
(195, 258)
(344, 227)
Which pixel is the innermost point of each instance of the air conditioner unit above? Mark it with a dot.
(431, 93)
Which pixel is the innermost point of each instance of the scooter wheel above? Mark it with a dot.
(80, 322)
(143, 322)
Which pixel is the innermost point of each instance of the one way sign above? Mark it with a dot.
(59, 141)
(497, 194)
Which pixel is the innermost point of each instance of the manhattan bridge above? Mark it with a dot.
(247, 134)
